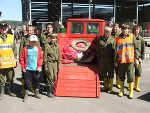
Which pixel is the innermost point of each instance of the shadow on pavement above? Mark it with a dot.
(145, 97)
(16, 88)
(42, 87)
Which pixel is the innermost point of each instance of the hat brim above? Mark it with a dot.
(33, 40)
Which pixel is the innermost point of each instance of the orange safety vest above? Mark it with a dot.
(125, 49)
(7, 59)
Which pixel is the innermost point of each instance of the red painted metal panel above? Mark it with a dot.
(77, 80)
(76, 83)
(78, 89)
(77, 94)
(77, 72)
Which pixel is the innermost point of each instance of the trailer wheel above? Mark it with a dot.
(75, 43)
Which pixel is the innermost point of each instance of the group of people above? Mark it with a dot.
(121, 51)
(118, 50)
(37, 52)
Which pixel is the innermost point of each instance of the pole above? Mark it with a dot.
(90, 8)
(114, 11)
(137, 12)
(61, 16)
(93, 10)
(72, 9)
(30, 18)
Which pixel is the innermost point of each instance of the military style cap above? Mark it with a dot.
(3, 25)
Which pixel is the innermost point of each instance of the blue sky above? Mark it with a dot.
(11, 10)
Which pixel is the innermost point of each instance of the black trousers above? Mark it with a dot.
(31, 79)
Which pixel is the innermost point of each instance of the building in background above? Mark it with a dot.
(134, 11)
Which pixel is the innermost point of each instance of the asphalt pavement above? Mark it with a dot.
(107, 103)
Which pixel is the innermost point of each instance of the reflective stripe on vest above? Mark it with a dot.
(6, 52)
(6, 58)
(5, 46)
(125, 49)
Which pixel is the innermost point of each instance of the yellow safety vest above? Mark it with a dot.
(7, 59)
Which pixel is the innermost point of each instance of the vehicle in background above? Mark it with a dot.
(80, 77)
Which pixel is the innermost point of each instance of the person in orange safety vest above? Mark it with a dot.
(125, 59)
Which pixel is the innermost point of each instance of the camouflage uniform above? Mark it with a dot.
(52, 62)
(52, 65)
(139, 45)
(106, 51)
(114, 35)
(43, 40)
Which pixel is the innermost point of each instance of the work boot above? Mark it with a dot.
(8, 87)
(118, 82)
(131, 90)
(25, 95)
(137, 82)
(37, 94)
(105, 84)
(110, 81)
(50, 91)
(1, 91)
(121, 93)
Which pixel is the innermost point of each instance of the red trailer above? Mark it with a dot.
(79, 79)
